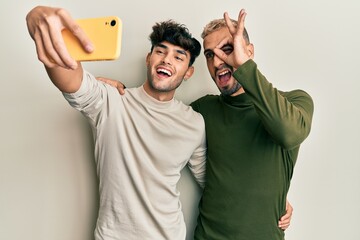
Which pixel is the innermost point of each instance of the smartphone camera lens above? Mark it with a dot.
(113, 23)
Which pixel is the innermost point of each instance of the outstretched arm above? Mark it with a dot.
(45, 25)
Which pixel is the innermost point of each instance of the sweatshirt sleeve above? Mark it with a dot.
(197, 162)
(286, 116)
(89, 99)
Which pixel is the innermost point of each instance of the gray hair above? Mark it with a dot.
(220, 23)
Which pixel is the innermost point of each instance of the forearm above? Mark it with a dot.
(286, 116)
(66, 80)
(197, 162)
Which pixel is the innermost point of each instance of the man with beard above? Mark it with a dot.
(254, 132)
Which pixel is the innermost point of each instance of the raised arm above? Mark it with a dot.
(286, 116)
(45, 25)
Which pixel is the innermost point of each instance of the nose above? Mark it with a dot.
(217, 61)
(167, 59)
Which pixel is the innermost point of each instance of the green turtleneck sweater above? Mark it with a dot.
(253, 142)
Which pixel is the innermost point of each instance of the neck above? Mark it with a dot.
(162, 96)
(238, 92)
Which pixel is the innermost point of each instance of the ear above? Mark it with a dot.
(250, 50)
(189, 73)
(148, 59)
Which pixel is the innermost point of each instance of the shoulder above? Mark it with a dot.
(300, 98)
(202, 104)
(297, 94)
(189, 115)
(207, 99)
(130, 93)
(188, 110)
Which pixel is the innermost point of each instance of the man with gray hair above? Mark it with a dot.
(253, 132)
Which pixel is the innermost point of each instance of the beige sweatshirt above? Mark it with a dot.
(141, 145)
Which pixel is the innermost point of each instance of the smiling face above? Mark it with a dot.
(221, 72)
(167, 65)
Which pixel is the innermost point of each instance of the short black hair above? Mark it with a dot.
(177, 34)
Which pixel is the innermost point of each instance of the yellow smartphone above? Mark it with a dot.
(104, 33)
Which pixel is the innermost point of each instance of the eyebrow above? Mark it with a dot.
(224, 46)
(177, 50)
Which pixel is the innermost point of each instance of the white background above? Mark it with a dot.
(48, 184)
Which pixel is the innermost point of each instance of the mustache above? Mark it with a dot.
(222, 67)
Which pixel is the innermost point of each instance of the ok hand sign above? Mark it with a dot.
(243, 50)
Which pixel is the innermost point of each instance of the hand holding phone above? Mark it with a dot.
(105, 35)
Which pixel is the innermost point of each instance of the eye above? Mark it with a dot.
(179, 58)
(209, 55)
(227, 49)
(159, 51)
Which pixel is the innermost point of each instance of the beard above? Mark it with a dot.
(162, 87)
(228, 91)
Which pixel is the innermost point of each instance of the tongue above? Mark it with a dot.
(225, 77)
(162, 74)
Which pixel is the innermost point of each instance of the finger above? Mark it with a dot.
(41, 53)
(284, 226)
(229, 23)
(287, 215)
(49, 33)
(77, 31)
(39, 31)
(108, 81)
(84, 40)
(57, 38)
(100, 78)
(223, 42)
(114, 83)
(241, 22)
(121, 89)
(285, 220)
(51, 51)
(61, 53)
(218, 49)
(42, 22)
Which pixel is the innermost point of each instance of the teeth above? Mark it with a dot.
(164, 71)
(223, 73)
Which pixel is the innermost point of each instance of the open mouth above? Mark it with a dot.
(224, 76)
(163, 72)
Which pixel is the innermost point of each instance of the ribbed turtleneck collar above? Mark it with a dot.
(239, 100)
(154, 102)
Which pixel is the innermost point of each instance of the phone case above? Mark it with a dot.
(104, 33)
